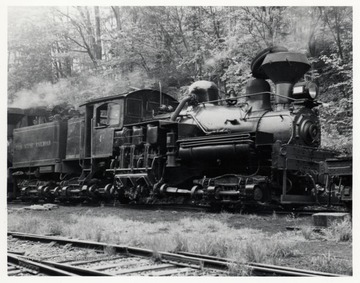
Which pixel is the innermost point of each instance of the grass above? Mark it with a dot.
(330, 264)
(340, 231)
(205, 234)
(269, 250)
(307, 232)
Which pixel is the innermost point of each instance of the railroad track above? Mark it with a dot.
(128, 261)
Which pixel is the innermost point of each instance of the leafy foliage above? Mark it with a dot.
(82, 52)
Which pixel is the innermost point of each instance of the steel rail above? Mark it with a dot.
(75, 269)
(38, 266)
(182, 258)
(14, 269)
(54, 268)
(268, 267)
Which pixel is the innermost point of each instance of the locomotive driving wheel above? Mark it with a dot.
(121, 194)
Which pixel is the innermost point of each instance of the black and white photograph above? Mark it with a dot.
(179, 140)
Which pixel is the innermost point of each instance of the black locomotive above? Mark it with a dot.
(258, 147)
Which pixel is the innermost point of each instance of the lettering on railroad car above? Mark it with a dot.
(30, 145)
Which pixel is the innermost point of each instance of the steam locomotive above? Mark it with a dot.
(256, 148)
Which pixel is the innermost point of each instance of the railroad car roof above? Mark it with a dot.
(123, 95)
(34, 111)
(14, 110)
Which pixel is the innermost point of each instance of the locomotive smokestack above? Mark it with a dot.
(284, 69)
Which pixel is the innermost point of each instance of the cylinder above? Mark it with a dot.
(215, 152)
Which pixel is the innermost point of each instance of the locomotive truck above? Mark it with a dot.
(259, 147)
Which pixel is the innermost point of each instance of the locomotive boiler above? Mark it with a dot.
(258, 147)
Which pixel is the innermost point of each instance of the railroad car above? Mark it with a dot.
(17, 118)
(258, 147)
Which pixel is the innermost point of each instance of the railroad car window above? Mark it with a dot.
(114, 114)
(134, 107)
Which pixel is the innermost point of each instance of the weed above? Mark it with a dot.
(110, 250)
(181, 243)
(330, 264)
(255, 252)
(268, 250)
(274, 215)
(224, 216)
(339, 231)
(156, 255)
(307, 232)
(215, 245)
(238, 268)
(281, 248)
(55, 229)
(98, 234)
(290, 217)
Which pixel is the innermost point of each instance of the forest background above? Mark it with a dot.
(63, 56)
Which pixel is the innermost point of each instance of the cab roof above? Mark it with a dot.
(124, 95)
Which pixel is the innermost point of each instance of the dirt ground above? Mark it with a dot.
(314, 247)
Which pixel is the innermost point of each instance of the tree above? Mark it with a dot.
(142, 46)
(29, 49)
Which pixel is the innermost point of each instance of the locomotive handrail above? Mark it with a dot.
(213, 143)
(200, 125)
(254, 94)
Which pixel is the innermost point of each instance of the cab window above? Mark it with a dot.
(114, 114)
(102, 115)
(134, 107)
(109, 114)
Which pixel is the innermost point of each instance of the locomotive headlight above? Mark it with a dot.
(308, 90)
(313, 90)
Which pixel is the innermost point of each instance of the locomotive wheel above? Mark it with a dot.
(262, 193)
(123, 199)
(256, 71)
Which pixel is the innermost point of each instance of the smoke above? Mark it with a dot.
(77, 90)
(41, 95)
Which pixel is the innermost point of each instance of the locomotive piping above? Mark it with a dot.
(180, 107)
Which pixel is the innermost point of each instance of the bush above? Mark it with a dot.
(340, 231)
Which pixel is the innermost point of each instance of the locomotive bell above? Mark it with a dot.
(204, 91)
(285, 69)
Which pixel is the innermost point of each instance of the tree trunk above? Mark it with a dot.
(97, 47)
(116, 11)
